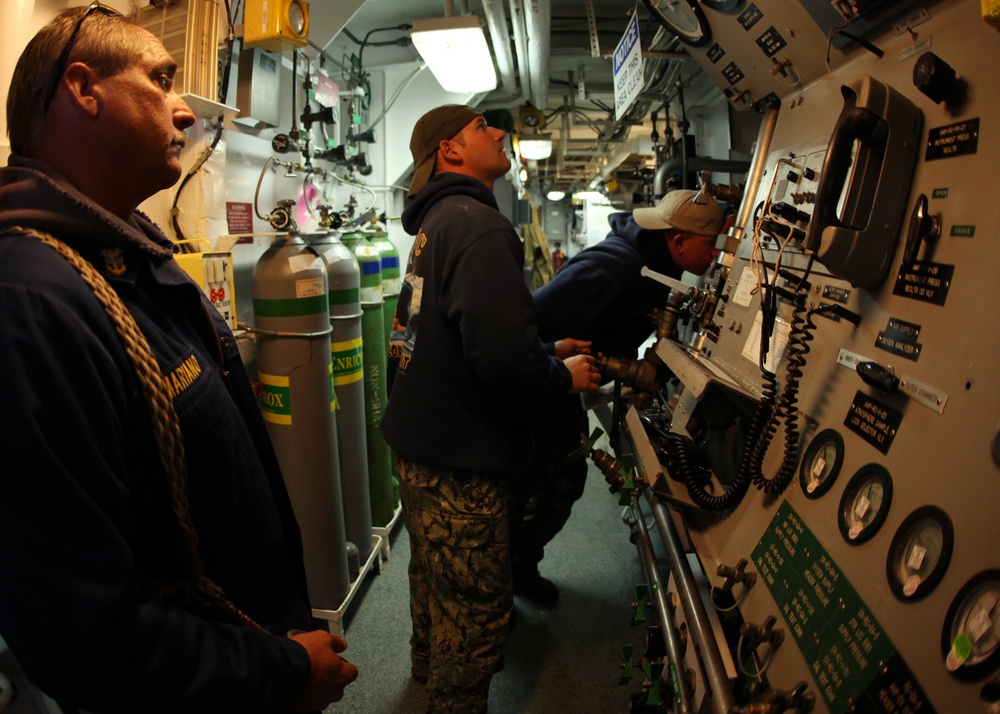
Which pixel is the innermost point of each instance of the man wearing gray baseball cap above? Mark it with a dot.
(599, 295)
(464, 362)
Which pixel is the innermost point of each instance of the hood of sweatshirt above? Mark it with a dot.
(440, 187)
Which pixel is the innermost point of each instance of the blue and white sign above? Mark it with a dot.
(628, 68)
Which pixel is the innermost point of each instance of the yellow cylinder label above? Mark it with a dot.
(348, 361)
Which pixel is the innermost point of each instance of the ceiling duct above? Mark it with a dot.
(537, 26)
(496, 21)
(520, 45)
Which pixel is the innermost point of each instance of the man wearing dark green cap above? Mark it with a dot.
(465, 363)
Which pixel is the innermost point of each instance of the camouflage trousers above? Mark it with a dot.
(460, 582)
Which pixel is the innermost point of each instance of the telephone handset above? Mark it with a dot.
(864, 182)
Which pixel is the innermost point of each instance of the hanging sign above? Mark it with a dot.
(628, 68)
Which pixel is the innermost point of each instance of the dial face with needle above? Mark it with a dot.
(970, 638)
(721, 4)
(684, 18)
(821, 463)
(865, 503)
(919, 553)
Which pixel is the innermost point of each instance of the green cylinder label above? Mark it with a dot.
(347, 296)
(276, 400)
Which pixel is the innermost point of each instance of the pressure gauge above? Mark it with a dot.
(865, 503)
(821, 463)
(919, 553)
(683, 18)
(970, 638)
(723, 5)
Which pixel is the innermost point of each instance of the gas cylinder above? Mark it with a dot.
(292, 328)
(391, 284)
(391, 287)
(372, 328)
(344, 278)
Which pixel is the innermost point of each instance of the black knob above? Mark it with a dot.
(369, 137)
(875, 375)
(935, 78)
(282, 144)
(809, 174)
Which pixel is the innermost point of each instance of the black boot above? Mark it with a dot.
(530, 585)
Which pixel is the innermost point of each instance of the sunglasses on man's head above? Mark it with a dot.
(64, 55)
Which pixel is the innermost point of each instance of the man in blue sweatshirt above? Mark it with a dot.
(133, 579)
(600, 296)
(465, 365)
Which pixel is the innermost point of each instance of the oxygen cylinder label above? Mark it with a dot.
(348, 362)
(276, 399)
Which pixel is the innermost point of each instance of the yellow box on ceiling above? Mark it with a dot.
(276, 25)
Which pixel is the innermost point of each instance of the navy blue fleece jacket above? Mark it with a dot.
(85, 514)
(599, 295)
(464, 354)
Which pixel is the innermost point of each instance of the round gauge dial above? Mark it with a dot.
(919, 553)
(865, 503)
(684, 18)
(821, 463)
(970, 638)
(723, 5)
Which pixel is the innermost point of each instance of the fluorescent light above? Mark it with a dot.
(535, 146)
(589, 196)
(455, 50)
(556, 195)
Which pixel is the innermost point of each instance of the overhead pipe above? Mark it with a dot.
(695, 163)
(538, 26)
(496, 21)
(521, 46)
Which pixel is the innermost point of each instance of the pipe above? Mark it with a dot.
(521, 45)
(496, 21)
(683, 126)
(538, 26)
(647, 558)
(695, 163)
(699, 626)
(761, 150)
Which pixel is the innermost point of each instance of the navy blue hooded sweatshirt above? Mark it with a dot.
(599, 295)
(84, 511)
(464, 355)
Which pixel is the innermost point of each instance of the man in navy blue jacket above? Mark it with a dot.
(129, 585)
(600, 296)
(465, 364)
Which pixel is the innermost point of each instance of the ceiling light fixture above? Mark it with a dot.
(535, 147)
(556, 195)
(455, 50)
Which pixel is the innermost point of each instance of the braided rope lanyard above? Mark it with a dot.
(166, 425)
